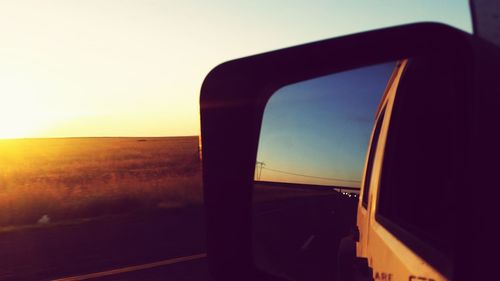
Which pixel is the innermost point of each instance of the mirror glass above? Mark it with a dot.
(311, 155)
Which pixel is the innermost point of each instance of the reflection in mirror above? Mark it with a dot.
(310, 160)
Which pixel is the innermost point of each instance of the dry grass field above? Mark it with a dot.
(59, 180)
(70, 178)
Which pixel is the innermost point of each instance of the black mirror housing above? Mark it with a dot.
(233, 98)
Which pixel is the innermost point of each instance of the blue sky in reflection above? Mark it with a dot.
(317, 131)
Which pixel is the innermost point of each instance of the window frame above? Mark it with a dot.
(371, 156)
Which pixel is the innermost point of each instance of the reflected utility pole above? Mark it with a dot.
(259, 168)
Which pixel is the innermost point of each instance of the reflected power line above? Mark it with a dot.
(259, 172)
(307, 176)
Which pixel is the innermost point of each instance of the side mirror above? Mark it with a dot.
(234, 97)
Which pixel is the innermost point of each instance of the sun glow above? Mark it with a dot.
(21, 112)
(17, 129)
(22, 124)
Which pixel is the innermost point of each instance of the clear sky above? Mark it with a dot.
(134, 68)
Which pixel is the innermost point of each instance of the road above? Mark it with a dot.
(146, 245)
(113, 242)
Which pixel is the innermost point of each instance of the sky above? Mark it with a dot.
(134, 68)
(317, 131)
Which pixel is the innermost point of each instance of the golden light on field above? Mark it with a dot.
(69, 178)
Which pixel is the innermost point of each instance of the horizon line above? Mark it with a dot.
(97, 137)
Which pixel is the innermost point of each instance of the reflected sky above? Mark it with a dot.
(317, 131)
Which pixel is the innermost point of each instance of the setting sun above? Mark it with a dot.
(20, 112)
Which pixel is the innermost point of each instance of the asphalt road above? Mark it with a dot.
(114, 242)
(295, 237)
